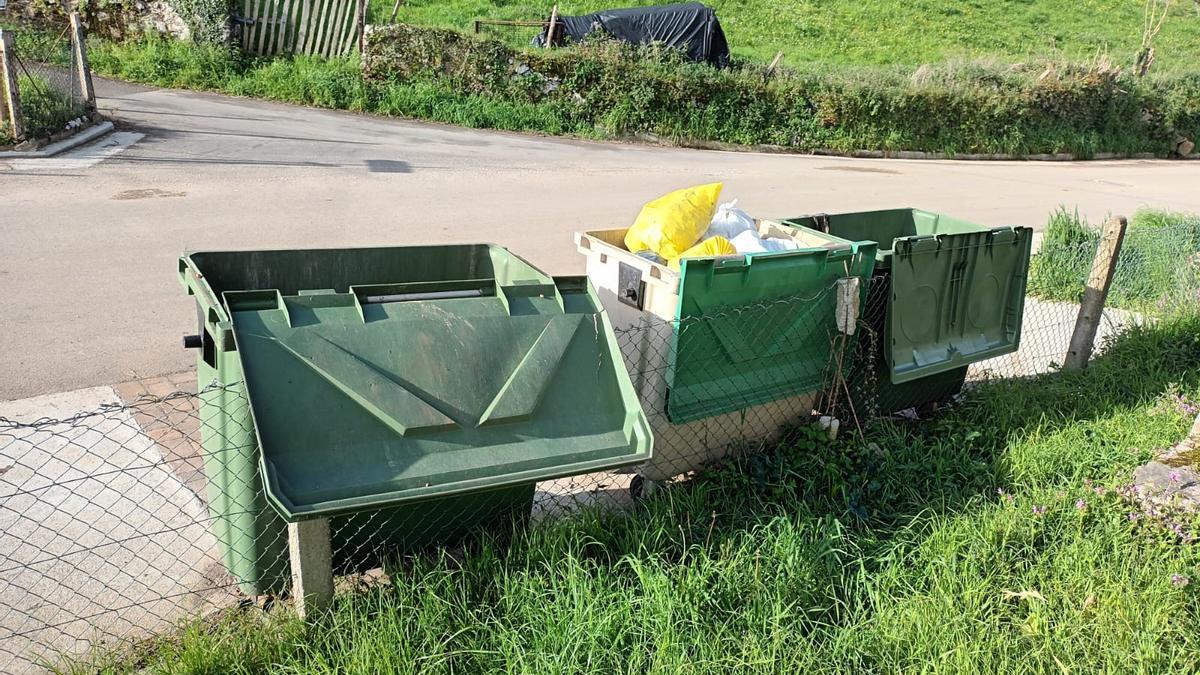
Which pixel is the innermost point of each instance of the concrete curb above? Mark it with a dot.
(653, 139)
(86, 136)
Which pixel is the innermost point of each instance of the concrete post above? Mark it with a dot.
(82, 67)
(312, 565)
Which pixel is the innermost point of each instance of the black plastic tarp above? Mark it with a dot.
(690, 26)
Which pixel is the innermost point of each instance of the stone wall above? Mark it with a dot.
(116, 19)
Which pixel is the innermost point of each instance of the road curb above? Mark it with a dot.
(86, 136)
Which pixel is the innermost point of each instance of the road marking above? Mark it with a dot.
(80, 158)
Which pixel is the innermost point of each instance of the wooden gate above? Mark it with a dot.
(317, 27)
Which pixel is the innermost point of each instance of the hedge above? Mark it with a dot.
(608, 88)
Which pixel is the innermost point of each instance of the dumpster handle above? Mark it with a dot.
(428, 295)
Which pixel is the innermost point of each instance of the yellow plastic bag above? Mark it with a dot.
(674, 222)
(713, 246)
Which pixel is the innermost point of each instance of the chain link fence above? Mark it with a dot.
(51, 97)
(514, 33)
(119, 522)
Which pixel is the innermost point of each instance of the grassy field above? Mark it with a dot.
(907, 32)
(995, 538)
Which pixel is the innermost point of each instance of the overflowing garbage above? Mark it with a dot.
(731, 321)
(689, 223)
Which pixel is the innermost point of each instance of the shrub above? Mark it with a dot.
(958, 107)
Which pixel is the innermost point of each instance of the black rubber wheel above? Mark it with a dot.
(637, 488)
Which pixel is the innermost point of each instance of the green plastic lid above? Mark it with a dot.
(391, 393)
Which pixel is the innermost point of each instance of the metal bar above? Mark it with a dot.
(499, 22)
(415, 297)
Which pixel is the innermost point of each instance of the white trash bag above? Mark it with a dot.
(729, 221)
(750, 242)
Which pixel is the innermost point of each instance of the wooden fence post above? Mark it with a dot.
(360, 24)
(774, 64)
(79, 54)
(12, 93)
(312, 565)
(1091, 307)
(553, 25)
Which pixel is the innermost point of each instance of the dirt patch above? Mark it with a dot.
(147, 193)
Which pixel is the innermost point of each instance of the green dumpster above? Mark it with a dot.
(952, 293)
(411, 395)
(724, 352)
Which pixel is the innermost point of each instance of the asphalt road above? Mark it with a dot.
(90, 241)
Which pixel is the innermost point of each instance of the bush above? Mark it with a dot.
(960, 107)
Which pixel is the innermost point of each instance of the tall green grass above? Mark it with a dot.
(908, 32)
(45, 109)
(990, 540)
(1158, 267)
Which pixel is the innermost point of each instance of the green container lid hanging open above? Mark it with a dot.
(415, 385)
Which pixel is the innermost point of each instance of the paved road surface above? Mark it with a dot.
(88, 293)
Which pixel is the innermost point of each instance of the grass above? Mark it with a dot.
(326, 83)
(904, 32)
(1158, 268)
(46, 110)
(991, 539)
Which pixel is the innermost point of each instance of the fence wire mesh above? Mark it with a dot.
(51, 97)
(512, 33)
(119, 522)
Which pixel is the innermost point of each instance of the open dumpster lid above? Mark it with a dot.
(382, 394)
(957, 298)
(956, 290)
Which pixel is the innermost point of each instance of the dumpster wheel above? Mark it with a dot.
(642, 488)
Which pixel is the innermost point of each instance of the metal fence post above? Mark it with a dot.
(1091, 307)
(79, 54)
(12, 93)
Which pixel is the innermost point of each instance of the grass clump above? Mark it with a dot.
(1158, 268)
(46, 110)
(992, 539)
